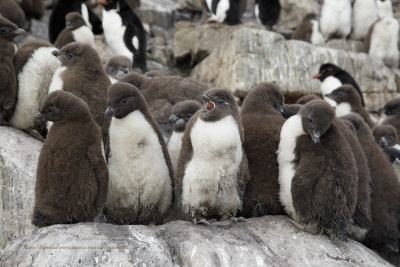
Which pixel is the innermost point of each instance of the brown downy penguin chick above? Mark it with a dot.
(140, 187)
(75, 30)
(33, 8)
(212, 167)
(162, 93)
(72, 176)
(348, 100)
(34, 66)
(117, 67)
(392, 111)
(83, 75)
(8, 82)
(317, 172)
(157, 73)
(13, 12)
(262, 122)
(180, 115)
(308, 30)
(307, 98)
(291, 110)
(384, 234)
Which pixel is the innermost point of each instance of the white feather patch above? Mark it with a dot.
(85, 15)
(57, 82)
(385, 8)
(365, 13)
(291, 130)
(343, 109)
(316, 36)
(257, 12)
(336, 17)
(112, 80)
(137, 167)
(211, 175)
(174, 148)
(327, 86)
(135, 42)
(84, 35)
(222, 8)
(33, 84)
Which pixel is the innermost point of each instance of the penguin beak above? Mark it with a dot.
(56, 53)
(109, 112)
(125, 70)
(68, 25)
(102, 2)
(316, 76)
(209, 102)
(316, 137)
(283, 110)
(173, 118)
(18, 31)
(328, 95)
(383, 142)
(39, 117)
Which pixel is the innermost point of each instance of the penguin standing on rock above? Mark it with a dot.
(335, 20)
(364, 15)
(332, 77)
(308, 30)
(72, 176)
(140, 187)
(124, 32)
(348, 100)
(317, 172)
(385, 207)
(212, 166)
(181, 113)
(267, 12)
(225, 11)
(117, 67)
(34, 66)
(75, 31)
(392, 111)
(8, 83)
(262, 123)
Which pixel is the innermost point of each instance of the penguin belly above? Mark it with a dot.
(139, 175)
(210, 178)
(174, 147)
(114, 32)
(327, 86)
(336, 18)
(84, 35)
(33, 84)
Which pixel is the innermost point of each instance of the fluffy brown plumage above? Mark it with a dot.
(304, 30)
(72, 176)
(262, 123)
(392, 111)
(33, 8)
(118, 66)
(73, 21)
(13, 12)
(307, 98)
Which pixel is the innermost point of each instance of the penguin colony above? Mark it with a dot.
(125, 148)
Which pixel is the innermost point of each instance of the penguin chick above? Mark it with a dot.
(332, 77)
(140, 187)
(13, 12)
(34, 66)
(267, 12)
(212, 168)
(180, 115)
(392, 111)
(225, 11)
(382, 41)
(8, 84)
(385, 8)
(307, 98)
(262, 122)
(117, 67)
(308, 30)
(291, 110)
(72, 176)
(384, 234)
(124, 32)
(364, 15)
(75, 30)
(348, 100)
(83, 75)
(335, 20)
(317, 172)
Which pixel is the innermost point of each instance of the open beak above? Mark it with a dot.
(316, 137)
(109, 112)
(209, 103)
(56, 53)
(316, 76)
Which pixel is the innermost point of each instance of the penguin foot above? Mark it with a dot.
(201, 221)
(311, 228)
(238, 219)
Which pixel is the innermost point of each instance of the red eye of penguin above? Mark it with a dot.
(210, 105)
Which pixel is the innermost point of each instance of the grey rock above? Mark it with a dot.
(265, 241)
(293, 11)
(250, 56)
(345, 44)
(19, 154)
(158, 12)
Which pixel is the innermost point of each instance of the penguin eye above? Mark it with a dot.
(124, 101)
(220, 102)
(310, 119)
(4, 30)
(50, 110)
(70, 56)
(189, 115)
(391, 137)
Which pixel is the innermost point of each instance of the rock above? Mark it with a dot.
(250, 56)
(265, 241)
(293, 11)
(343, 44)
(19, 154)
(158, 12)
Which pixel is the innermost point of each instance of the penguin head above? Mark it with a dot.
(217, 104)
(345, 94)
(327, 70)
(316, 118)
(307, 98)
(262, 95)
(118, 66)
(8, 30)
(359, 124)
(392, 107)
(291, 110)
(63, 106)
(385, 135)
(74, 20)
(124, 98)
(77, 53)
(182, 112)
(134, 78)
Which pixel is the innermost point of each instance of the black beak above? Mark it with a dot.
(283, 110)
(173, 118)
(56, 53)
(39, 117)
(206, 98)
(68, 25)
(125, 70)
(109, 112)
(383, 142)
(18, 31)
(381, 110)
(328, 95)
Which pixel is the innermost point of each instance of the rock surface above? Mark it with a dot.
(293, 11)
(265, 241)
(250, 56)
(19, 154)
